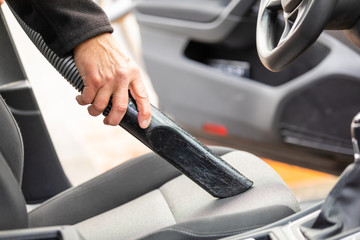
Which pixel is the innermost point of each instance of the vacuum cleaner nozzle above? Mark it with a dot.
(187, 154)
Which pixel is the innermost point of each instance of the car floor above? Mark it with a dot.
(87, 148)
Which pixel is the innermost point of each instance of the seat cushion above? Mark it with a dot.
(180, 201)
(116, 187)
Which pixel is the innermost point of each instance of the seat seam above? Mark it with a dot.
(213, 234)
(202, 235)
(173, 215)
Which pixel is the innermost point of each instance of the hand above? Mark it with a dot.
(106, 72)
(1, 2)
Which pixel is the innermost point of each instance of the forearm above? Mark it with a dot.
(63, 24)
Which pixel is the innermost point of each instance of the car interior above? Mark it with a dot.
(207, 71)
(189, 46)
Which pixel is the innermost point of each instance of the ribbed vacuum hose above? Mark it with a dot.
(65, 66)
(163, 136)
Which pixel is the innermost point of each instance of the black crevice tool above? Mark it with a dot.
(187, 154)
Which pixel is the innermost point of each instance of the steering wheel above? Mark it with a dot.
(304, 21)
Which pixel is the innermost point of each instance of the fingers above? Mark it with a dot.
(139, 93)
(96, 94)
(119, 106)
(100, 102)
(107, 72)
(87, 96)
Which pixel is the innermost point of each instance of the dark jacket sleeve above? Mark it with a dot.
(62, 23)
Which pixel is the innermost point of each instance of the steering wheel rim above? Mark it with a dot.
(304, 22)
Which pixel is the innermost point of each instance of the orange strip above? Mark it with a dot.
(294, 175)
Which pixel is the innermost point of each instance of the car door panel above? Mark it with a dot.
(204, 77)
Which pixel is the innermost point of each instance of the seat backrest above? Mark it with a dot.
(11, 146)
(12, 204)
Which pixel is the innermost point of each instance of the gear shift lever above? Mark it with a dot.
(340, 211)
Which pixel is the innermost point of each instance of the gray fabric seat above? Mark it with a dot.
(182, 201)
(144, 198)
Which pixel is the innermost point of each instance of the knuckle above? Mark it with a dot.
(118, 72)
(135, 72)
(93, 113)
(112, 122)
(147, 113)
(86, 99)
(99, 106)
(121, 107)
(143, 95)
(95, 82)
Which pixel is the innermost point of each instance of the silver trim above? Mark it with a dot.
(16, 85)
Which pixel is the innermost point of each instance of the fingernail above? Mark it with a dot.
(144, 124)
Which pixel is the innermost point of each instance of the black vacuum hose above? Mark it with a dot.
(163, 136)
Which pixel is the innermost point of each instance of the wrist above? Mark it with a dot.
(90, 42)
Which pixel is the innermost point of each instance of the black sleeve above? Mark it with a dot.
(62, 23)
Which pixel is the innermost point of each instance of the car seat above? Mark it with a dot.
(144, 198)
